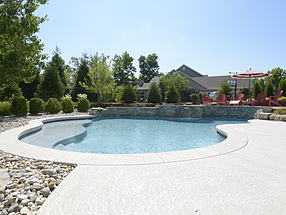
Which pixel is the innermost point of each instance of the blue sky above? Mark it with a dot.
(213, 37)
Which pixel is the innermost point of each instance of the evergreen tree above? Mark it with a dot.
(154, 94)
(59, 64)
(128, 94)
(172, 95)
(149, 67)
(30, 89)
(269, 89)
(82, 78)
(256, 88)
(282, 86)
(123, 70)
(51, 86)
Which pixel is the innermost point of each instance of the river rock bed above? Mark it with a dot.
(31, 181)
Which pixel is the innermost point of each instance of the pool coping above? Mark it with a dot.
(9, 142)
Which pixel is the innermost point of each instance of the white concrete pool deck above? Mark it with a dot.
(245, 174)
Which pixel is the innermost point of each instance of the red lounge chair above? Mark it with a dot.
(261, 101)
(273, 100)
(221, 99)
(238, 99)
(206, 100)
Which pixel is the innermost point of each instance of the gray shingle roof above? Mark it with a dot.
(214, 82)
(145, 86)
(200, 82)
(188, 71)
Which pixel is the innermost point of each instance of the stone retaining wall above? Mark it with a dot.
(181, 111)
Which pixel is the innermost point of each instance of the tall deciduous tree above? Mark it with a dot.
(100, 76)
(282, 86)
(123, 70)
(20, 48)
(176, 80)
(149, 67)
(277, 74)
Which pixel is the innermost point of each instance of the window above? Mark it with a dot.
(231, 82)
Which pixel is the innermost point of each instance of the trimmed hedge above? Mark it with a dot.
(53, 106)
(5, 108)
(67, 105)
(83, 104)
(19, 106)
(36, 105)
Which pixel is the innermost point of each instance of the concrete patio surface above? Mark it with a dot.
(245, 174)
(250, 180)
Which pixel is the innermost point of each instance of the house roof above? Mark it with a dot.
(214, 82)
(145, 86)
(188, 71)
(200, 82)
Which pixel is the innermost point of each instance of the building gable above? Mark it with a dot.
(189, 71)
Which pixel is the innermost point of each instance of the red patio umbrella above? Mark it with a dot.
(250, 74)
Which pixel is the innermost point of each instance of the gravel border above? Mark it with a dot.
(31, 181)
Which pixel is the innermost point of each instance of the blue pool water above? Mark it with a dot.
(130, 135)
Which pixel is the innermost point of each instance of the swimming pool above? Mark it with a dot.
(129, 135)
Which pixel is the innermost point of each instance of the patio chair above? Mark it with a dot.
(238, 99)
(273, 100)
(260, 101)
(221, 99)
(206, 100)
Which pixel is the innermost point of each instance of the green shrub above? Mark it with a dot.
(82, 103)
(19, 106)
(195, 98)
(5, 108)
(128, 94)
(9, 91)
(256, 88)
(282, 86)
(280, 111)
(269, 89)
(67, 104)
(225, 88)
(53, 106)
(154, 94)
(36, 105)
(247, 93)
(172, 95)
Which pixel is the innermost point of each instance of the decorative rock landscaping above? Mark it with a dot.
(31, 182)
(26, 183)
